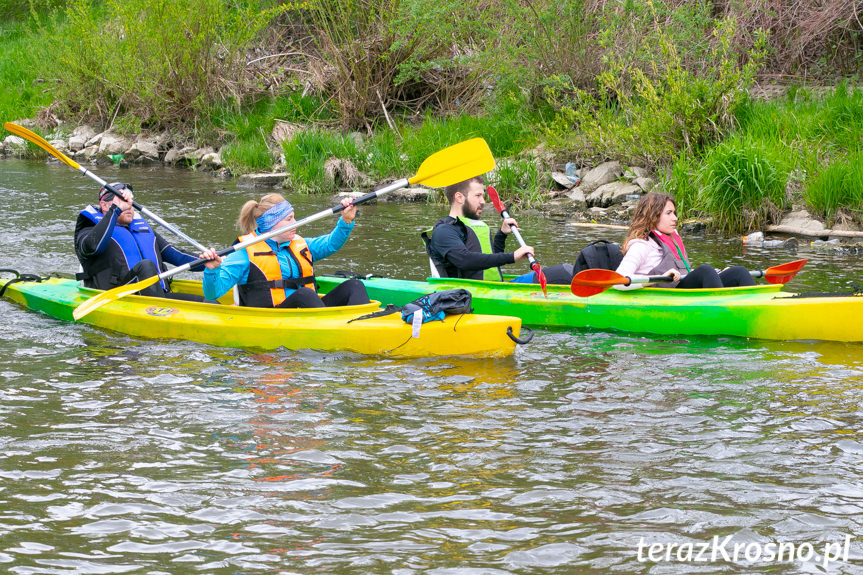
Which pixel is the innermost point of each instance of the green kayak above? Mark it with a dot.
(761, 311)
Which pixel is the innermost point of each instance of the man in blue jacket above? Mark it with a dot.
(116, 246)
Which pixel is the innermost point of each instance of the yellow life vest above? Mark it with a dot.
(265, 286)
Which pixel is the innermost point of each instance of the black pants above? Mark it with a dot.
(147, 269)
(349, 292)
(707, 277)
(560, 274)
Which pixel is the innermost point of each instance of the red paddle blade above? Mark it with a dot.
(782, 273)
(591, 282)
(540, 277)
(495, 199)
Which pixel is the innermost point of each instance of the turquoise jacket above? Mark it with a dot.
(235, 267)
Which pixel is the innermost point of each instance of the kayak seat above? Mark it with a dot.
(437, 270)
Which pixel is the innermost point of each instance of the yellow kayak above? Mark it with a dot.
(324, 329)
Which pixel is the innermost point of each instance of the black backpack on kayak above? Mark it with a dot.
(434, 306)
(599, 254)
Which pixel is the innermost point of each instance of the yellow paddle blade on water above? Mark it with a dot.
(105, 297)
(455, 164)
(23, 132)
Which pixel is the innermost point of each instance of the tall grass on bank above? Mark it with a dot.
(388, 155)
(250, 147)
(306, 156)
(152, 63)
(804, 147)
(681, 182)
(24, 88)
(838, 188)
(742, 184)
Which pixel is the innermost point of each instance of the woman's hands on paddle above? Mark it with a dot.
(214, 260)
(673, 274)
(350, 211)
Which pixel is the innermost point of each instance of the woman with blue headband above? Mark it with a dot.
(279, 271)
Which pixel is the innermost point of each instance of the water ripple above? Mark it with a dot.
(119, 454)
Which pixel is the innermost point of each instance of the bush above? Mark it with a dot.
(166, 62)
(743, 185)
(376, 57)
(839, 185)
(21, 10)
(665, 92)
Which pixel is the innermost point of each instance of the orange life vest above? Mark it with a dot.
(265, 286)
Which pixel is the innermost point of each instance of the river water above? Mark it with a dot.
(586, 452)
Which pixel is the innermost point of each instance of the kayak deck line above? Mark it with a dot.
(324, 329)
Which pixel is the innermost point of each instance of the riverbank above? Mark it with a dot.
(605, 194)
(285, 95)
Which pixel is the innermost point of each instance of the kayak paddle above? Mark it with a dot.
(591, 282)
(45, 145)
(444, 168)
(780, 274)
(534, 265)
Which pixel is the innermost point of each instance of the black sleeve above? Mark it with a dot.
(443, 239)
(447, 245)
(499, 244)
(471, 261)
(90, 239)
(174, 256)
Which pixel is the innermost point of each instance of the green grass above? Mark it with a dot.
(249, 147)
(21, 54)
(681, 182)
(520, 182)
(835, 118)
(810, 140)
(388, 154)
(308, 151)
(743, 184)
(836, 187)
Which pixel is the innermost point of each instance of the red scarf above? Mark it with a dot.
(675, 242)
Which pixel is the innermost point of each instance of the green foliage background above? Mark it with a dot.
(662, 83)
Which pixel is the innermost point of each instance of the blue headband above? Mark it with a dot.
(274, 215)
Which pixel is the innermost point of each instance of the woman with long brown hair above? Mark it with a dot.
(279, 271)
(653, 247)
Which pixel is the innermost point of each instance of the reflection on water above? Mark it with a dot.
(124, 455)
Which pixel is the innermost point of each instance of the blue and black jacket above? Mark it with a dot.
(107, 250)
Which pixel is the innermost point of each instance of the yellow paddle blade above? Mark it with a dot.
(107, 297)
(41, 142)
(457, 163)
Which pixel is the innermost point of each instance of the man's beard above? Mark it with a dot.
(469, 213)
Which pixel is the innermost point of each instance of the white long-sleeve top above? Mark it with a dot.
(640, 259)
